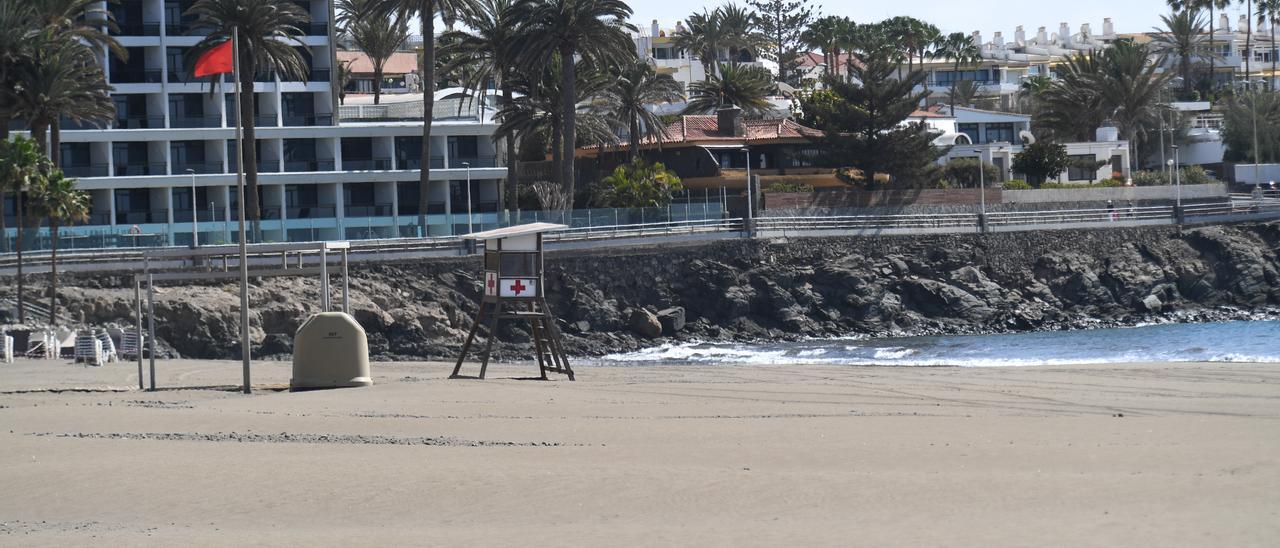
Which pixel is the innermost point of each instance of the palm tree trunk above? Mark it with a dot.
(955, 78)
(512, 183)
(427, 26)
(4, 229)
(40, 134)
(1213, 53)
(1273, 53)
(53, 273)
(377, 83)
(557, 153)
(1248, 43)
(568, 118)
(249, 154)
(635, 137)
(55, 144)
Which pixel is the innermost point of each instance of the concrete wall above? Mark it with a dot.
(1245, 173)
(1136, 193)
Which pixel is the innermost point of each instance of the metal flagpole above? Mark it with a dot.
(245, 349)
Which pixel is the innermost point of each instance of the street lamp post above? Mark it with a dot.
(195, 230)
(468, 166)
(750, 210)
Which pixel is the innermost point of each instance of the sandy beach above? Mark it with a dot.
(1150, 454)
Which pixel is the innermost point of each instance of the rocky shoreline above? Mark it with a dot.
(625, 299)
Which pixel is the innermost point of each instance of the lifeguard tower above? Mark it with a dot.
(513, 290)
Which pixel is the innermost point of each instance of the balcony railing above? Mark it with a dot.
(148, 76)
(179, 29)
(476, 162)
(140, 169)
(318, 29)
(379, 210)
(312, 212)
(142, 217)
(94, 219)
(204, 215)
(140, 122)
(137, 29)
(308, 120)
(93, 170)
(206, 121)
(268, 167)
(180, 76)
(318, 75)
(437, 162)
(308, 165)
(366, 164)
(206, 168)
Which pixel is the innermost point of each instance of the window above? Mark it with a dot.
(1082, 168)
(1000, 133)
(465, 146)
(971, 130)
(519, 264)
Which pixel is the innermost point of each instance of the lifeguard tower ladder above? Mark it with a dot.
(513, 290)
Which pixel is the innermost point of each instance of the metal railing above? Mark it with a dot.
(679, 220)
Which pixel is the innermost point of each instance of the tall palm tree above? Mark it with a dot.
(60, 79)
(269, 30)
(1269, 15)
(594, 30)
(488, 50)
(21, 165)
(638, 86)
(379, 37)
(1213, 6)
(744, 86)
(1071, 109)
(1248, 41)
(1129, 87)
(1031, 92)
(958, 47)
(535, 113)
(59, 200)
(1181, 38)
(738, 26)
(826, 35)
(19, 23)
(701, 37)
(426, 11)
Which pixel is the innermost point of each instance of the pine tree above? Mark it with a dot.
(783, 23)
(863, 122)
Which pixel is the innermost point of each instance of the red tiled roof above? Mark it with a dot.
(400, 62)
(929, 113)
(703, 127)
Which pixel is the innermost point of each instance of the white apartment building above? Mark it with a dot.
(656, 46)
(325, 172)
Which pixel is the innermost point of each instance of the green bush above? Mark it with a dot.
(788, 186)
(1017, 184)
(1150, 178)
(638, 184)
(963, 173)
(1110, 183)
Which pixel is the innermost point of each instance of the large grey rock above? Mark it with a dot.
(672, 320)
(645, 323)
(1151, 303)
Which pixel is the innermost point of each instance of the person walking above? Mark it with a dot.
(1111, 210)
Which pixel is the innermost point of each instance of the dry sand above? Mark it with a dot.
(1139, 455)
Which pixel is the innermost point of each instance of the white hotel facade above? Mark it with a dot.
(325, 171)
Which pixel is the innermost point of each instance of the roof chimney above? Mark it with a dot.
(1020, 36)
(1108, 28)
(656, 30)
(1064, 34)
(1224, 23)
(998, 40)
(1042, 37)
(729, 121)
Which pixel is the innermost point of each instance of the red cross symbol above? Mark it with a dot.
(518, 287)
(491, 283)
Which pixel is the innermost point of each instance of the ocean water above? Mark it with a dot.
(1241, 341)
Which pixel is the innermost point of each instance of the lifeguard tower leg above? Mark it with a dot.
(493, 334)
(466, 346)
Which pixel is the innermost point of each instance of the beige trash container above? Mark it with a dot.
(330, 351)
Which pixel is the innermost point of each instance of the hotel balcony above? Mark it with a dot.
(202, 168)
(475, 162)
(187, 123)
(136, 170)
(94, 170)
(137, 29)
(308, 120)
(366, 164)
(139, 122)
(294, 166)
(375, 210)
(139, 217)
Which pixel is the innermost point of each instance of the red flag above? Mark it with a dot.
(215, 61)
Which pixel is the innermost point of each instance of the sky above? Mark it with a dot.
(957, 15)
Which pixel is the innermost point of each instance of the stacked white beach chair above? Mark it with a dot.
(89, 349)
(43, 345)
(130, 345)
(6, 348)
(108, 346)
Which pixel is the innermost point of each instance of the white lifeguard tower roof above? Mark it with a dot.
(514, 231)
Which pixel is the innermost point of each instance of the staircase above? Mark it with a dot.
(35, 313)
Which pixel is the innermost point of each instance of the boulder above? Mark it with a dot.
(645, 323)
(275, 344)
(672, 320)
(1151, 303)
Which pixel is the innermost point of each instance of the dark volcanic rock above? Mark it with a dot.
(749, 290)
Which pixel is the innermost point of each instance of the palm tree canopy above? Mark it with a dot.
(87, 20)
(57, 198)
(536, 110)
(596, 30)
(637, 87)
(743, 86)
(489, 50)
(62, 78)
(269, 30)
